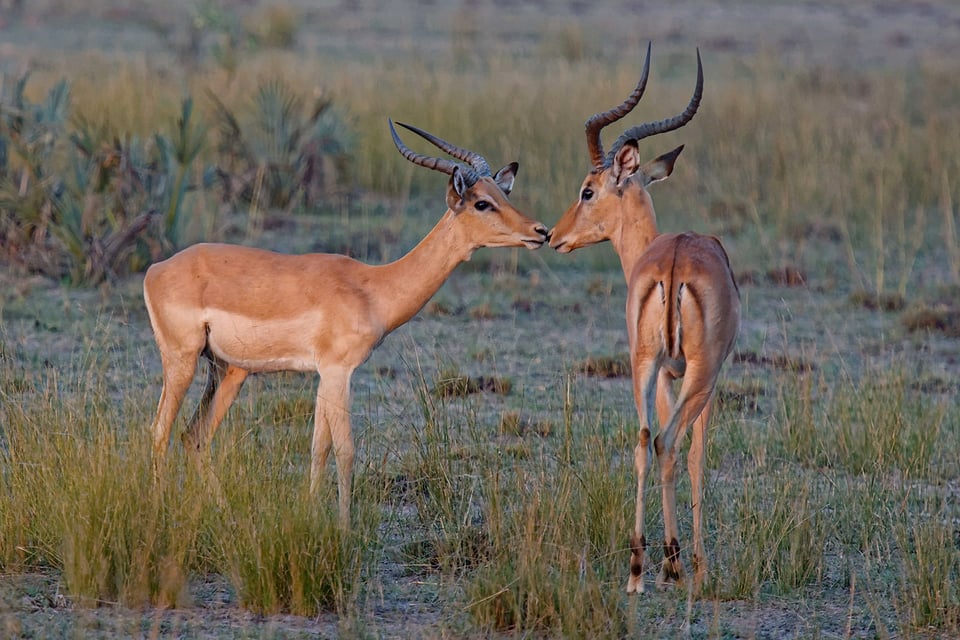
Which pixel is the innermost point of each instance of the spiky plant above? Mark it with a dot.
(283, 150)
(76, 204)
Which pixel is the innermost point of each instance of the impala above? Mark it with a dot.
(683, 314)
(247, 310)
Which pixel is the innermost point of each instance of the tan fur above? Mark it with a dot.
(249, 310)
(683, 315)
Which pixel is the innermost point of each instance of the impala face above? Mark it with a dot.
(485, 211)
(612, 197)
(589, 220)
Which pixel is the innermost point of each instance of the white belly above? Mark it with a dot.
(263, 345)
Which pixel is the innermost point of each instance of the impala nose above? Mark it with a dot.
(541, 229)
(558, 243)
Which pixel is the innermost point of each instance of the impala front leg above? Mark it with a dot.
(332, 428)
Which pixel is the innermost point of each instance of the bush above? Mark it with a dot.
(78, 206)
(279, 153)
(82, 205)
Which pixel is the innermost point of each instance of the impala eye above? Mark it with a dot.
(586, 194)
(482, 205)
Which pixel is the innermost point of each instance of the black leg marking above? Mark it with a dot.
(637, 548)
(671, 560)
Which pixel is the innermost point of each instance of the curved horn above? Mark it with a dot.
(668, 124)
(598, 121)
(475, 159)
(437, 164)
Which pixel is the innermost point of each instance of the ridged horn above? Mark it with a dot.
(598, 121)
(475, 160)
(443, 165)
(645, 130)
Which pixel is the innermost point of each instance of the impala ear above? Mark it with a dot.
(505, 177)
(661, 167)
(626, 162)
(456, 188)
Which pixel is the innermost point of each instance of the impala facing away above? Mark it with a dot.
(683, 314)
(249, 310)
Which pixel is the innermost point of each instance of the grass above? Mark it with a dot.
(882, 223)
(878, 423)
(763, 160)
(824, 484)
(494, 480)
(80, 498)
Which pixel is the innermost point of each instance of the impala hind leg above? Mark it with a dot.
(190, 437)
(694, 394)
(671, 571)
(696, 461)
(223, 384)
(332, 430)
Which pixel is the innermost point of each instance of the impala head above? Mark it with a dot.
(616, 186)
(477, 199)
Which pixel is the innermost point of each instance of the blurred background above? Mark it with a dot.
(827, 131)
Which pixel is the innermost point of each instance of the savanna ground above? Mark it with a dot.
(494, 479)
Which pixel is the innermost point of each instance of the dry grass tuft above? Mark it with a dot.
(887, 301)
(514, 423)
(942, 318)
(456, 385)
(780, 361)
(935, 385)
(742, 398)
(606, 366)
(483, 311)
(787, 276)
(439, 308)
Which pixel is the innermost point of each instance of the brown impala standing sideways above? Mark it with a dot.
(249, 310)
(683, 314)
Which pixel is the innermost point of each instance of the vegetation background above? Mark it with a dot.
(495, 431)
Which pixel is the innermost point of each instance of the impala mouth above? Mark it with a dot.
(561, 247)
(542, 237)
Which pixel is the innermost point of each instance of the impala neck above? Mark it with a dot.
(638, 228)
(407, 284)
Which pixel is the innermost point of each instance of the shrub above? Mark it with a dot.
(78, 206)
(279, 153)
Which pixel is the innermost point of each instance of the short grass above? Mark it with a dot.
(829, 495)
